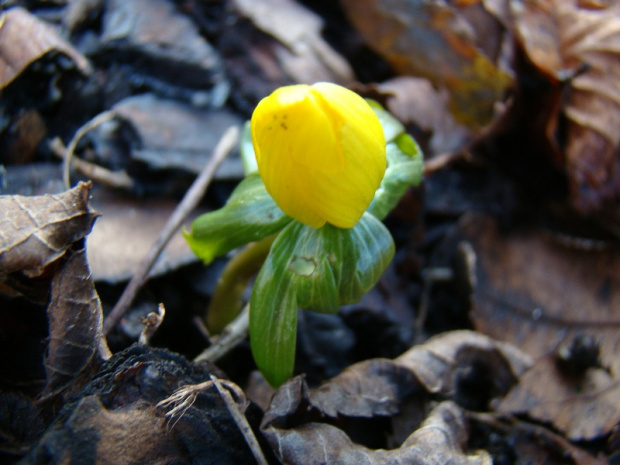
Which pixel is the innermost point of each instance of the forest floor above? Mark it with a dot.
(492, 337)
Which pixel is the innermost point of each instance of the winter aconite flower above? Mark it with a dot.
(320, 151)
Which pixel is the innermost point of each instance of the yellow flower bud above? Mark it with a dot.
(320, 151)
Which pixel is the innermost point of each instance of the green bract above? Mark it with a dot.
(404, 164)
(249, 215)
(318, 269)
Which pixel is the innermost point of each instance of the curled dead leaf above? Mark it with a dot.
(586, 408)
(400, 391)
(179, 141)
(438, 440)
(24, 38)
(154, 34)
(302, 52)
(580, 46)
(77, 345)
(36, 231)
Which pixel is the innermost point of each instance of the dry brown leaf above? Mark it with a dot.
(435, 362)
(78, 11)
(158, 39)
(432, 39)
(380, 386)
(438, 440)
(183, 139)
(304, 55)
(570, 38)
(415, 101)
(400, 390)
(539, 295)
(20, 143)
(24, 38)
(126, 231)
(77, 345)
(585, 409)
(36, 231)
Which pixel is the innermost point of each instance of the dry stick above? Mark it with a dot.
(231, 336)
(99, 174)
(93, 123)
(185, 397)
(443, 160)
(152, 322)
(242, 422)
(189, 202)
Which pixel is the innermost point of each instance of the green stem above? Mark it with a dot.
(227, 300)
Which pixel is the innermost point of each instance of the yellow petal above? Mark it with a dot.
(320, 151)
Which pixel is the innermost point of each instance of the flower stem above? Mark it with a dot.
(227, 300)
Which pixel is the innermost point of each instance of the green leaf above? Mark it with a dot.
(405, 167)
(391, 126)
(405, 164)
(317, 269)
(249, 215)
(246, 150)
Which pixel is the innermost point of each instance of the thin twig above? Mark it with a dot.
(93, 123)
(189, 203)
(443, 160)
(99, 174)
(199, 324)
(152, 322)
(242, 422)
(232, 336)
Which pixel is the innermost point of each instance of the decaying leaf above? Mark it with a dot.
(540, 295)
(438, 440)
(415, 101)
(36, 231)
(432, 39)
(162, 38)
(585, 408)
(531, 443)
(181, 140)
(77, 344)
(78, 11)
(24, 38)
(126, 231)
(396, 390)
(569, 40)
(303, 54)
(21, 140)
(437, 362)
